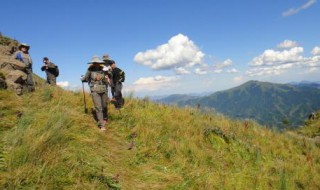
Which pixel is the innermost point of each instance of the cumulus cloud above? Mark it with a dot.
(238, 79)
(233, 70)
(273, 57)
(181, 71)
(224, 64)
(272, 62)
(200, 71)
(293, 11)
(316, 51)
(63, 84)
(153, 83)
(217, 71)
(179, 52)
(273, 70)
(287, 44)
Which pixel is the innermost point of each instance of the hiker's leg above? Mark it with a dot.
(30, 82)
(52, 79)
(104, 100)
(118, 94)
(97, 100)
(112, 91)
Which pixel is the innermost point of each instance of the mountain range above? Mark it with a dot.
(270, 104)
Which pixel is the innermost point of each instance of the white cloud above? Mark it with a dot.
(272, 70)
(316, 51)
(200, 71)
(178, 52)
(224, 64)
(293, 11)
(181, 71)
(217, 71)
(272, 57)
(272, 62)
(153, 83)
(287, 44)
(233, 70)
(238, 79)
(63, 84)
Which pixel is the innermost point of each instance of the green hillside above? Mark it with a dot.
(270, 104)
(48, 142)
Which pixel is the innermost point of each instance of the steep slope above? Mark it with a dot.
(53, 144)
(274, 105)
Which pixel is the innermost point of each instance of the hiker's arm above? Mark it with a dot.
(86, 77)
(15, 55)
(51, 66)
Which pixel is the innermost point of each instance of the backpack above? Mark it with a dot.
(122, 76)
(56, 73)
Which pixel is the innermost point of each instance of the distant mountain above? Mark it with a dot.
(306, 83)
(274, 105)
(175, 98)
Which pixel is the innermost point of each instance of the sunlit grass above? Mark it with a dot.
(53, 144)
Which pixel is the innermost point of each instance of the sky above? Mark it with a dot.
(171, 46)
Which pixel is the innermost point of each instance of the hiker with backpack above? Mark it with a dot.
(52, 71)
(118, 77)
(98, 83)
(23, 56)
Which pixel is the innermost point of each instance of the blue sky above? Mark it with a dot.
(172, 46)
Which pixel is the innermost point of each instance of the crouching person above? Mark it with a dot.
(98, 84)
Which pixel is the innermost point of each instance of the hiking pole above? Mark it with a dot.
(84, 99)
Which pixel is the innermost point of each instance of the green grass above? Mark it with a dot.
(55, 145)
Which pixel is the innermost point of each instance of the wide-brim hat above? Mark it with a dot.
(105, 57)
(95, 59)
(23, 45)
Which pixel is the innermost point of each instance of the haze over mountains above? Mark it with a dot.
(274, 105)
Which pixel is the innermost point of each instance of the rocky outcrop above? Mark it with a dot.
(12, 71)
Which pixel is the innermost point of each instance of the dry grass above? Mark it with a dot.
(147, 146)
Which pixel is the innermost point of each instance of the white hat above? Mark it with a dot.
(95, 59)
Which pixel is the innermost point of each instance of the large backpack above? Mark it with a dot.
(122, 76)
(56, 73)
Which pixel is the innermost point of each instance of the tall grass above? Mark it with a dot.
(54, 145)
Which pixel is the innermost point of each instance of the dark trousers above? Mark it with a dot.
(51, 79)
(100, 104)
(30, 84)
(117, 94)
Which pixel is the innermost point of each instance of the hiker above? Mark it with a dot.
(23, 55)
(51, 70)
(107, 68)
(98, 84)
(312, 116)
(118, 77)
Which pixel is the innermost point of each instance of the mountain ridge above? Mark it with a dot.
(268, 103)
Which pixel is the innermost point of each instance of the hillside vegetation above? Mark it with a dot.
(48, 142)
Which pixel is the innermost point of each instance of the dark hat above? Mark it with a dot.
(46, 58)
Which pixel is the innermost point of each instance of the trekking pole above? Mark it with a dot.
(84, 99)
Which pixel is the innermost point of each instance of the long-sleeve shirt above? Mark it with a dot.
(24, 58)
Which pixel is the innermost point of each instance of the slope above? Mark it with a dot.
(53, 144)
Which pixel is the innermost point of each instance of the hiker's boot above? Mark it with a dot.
(101, 126)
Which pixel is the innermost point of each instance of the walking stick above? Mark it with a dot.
(84, 99)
